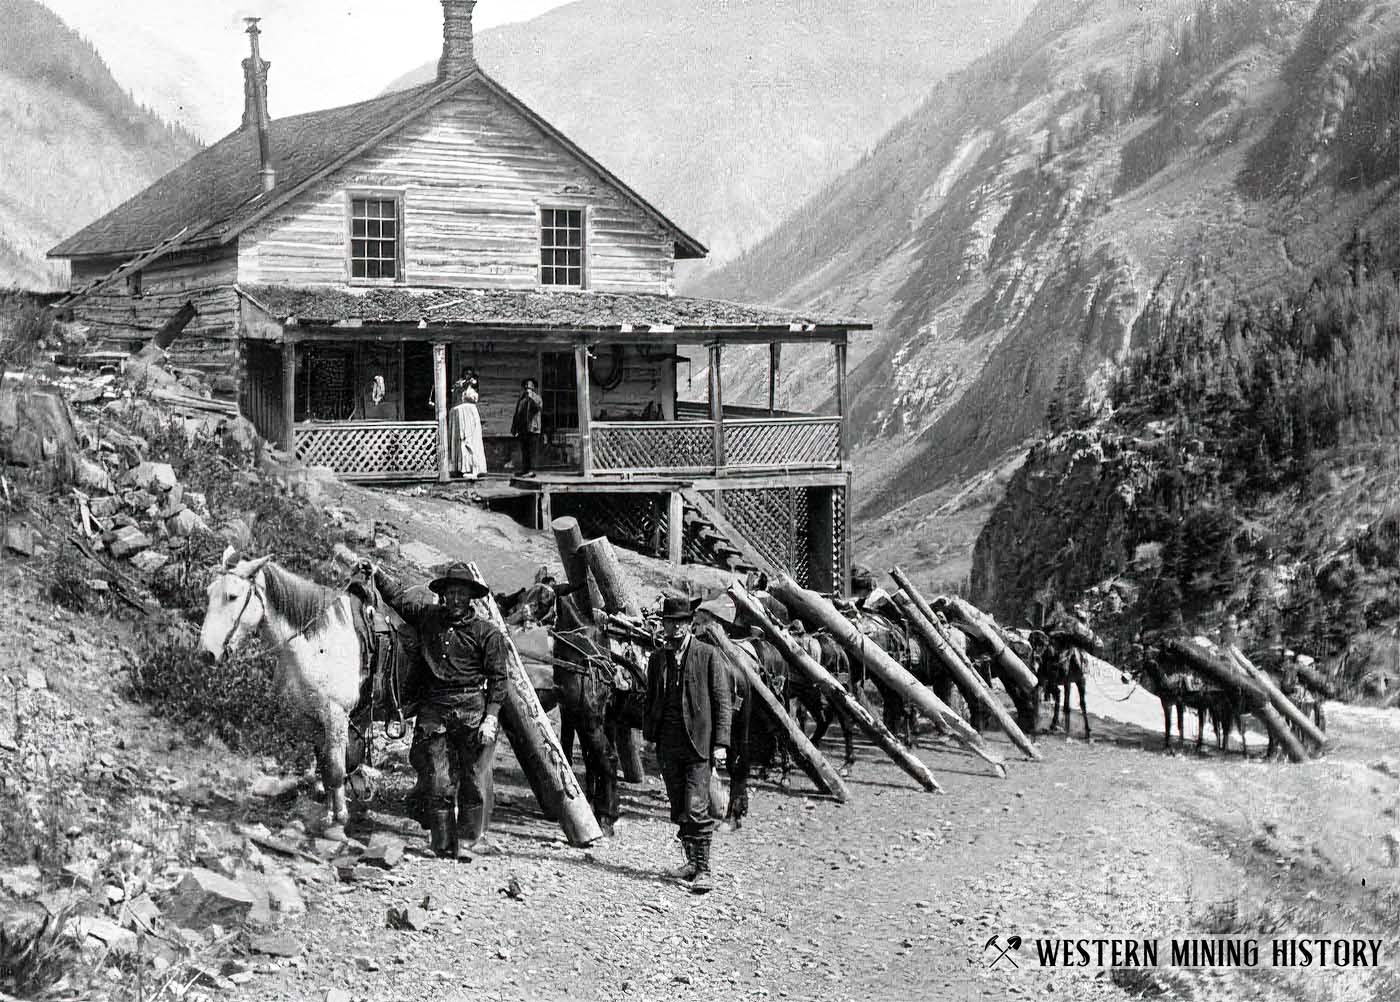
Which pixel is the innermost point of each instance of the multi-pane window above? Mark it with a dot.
(374, 238)
(561, 247)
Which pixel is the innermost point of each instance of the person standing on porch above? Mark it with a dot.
(688, 713)
(464, 442)
(526, 425)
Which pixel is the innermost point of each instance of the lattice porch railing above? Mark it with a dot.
(806, 443)
(370, 449)
(783, 443)
(653, 446)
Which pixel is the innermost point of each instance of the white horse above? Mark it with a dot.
(311, 630)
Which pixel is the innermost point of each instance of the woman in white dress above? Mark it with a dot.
(464, 444)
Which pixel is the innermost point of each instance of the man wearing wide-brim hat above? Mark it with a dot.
(454, 741)
(688, 713)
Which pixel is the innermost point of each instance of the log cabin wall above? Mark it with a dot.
(127, 314)
(472, 176)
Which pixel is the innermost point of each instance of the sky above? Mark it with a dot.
(183, 58)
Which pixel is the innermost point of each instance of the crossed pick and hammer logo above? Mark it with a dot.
(1013, 943)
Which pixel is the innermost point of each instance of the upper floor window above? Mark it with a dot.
(374, 237)
(561, 247)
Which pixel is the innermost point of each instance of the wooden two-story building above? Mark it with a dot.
(338, 271)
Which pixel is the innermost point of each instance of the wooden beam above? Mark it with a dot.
(717, 403)
(585, 410)
(289, 396)
(842, 404)
(675, 528)
(440, 404)
(775, 364)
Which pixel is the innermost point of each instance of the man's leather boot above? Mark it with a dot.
(443, 834)
(704, 880)
(686, 872)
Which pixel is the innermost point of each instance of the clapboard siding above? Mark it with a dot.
(120, 320)
(472, 174)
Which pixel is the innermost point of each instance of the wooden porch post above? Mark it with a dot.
(440, 403)
(841, 402)
(775, 356)
(717, 403)
(289, 395)
(675, 529)
(585, 410)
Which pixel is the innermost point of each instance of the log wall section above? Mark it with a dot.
(121, 320)
(472, 175)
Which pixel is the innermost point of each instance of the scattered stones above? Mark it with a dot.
(140, 913)
(273, 786)
(92, 476)
(35, 679)
(104, 507)
(21, 881)
(185, 523)
(82, 873)
(204, 898)
(367, 964)
(139, 501)
(336, 995)
(105, 933)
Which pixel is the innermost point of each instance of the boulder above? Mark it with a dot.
(30, 418)
(101, 933)
(197, 502)
(275, 945)
(104, 507)
(92, 476)
(383, 851)
(139, 501)
(241, 432)
(150, 476)
(21, 881)
(126, 541)
(21, 539)
(36, 680)
(204, 898)
(139, 372)
(140, 913)
(185, 523)
(149, 561)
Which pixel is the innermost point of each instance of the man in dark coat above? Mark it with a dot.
(688, 713)
(527, 425)
(454, 742)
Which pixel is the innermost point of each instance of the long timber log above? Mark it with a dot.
(817, 610)
(833, 690)
(1227, 675)
(929, 631)
(569, 537)
(601, 559)
(987, 631)
(537, 747)
(812, 761)
(1282, 703)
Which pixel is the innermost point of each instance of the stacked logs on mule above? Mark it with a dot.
(537, 747)
(925, 623)
(1280, 702)
(817, 610)
(569, 538)
(986, 629)
(812, 761)
(833, 690)
(1223, 672)
(596, 578)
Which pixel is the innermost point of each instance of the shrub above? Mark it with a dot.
(35, 954)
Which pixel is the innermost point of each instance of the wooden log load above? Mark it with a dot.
(1226, 675)
(537, 747)
(811, 760)
(833, 690)
(986, 630)
(1280, 702)
(815, 609)
(569, 537)
(926, 626)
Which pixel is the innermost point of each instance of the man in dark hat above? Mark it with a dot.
(454, 742)
(527, 425)
(688, 714)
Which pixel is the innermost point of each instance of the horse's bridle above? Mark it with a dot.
(237, 620)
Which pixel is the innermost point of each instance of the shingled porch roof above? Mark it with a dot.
(526, 309)
(219, 190)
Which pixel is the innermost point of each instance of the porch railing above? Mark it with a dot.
(370, 449)
(805, 443)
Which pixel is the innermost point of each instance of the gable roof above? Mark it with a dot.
(221, 183)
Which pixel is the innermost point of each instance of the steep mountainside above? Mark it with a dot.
(729, 114)
(1007, 236)
(76, 144)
